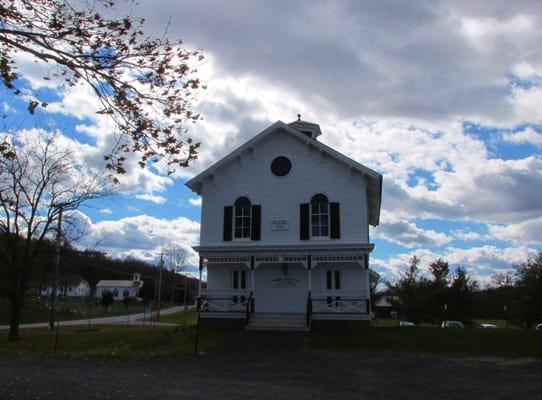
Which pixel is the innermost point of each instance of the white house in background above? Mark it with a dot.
(120, 289)
(73, 286)
(285, 232)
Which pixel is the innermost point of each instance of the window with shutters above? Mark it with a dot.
(242, 218)
(319, 216)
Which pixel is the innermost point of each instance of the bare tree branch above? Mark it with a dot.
(145, 85)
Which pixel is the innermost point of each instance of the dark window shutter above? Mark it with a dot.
(256, 223)
(334, 221)
(304, 215)
(228, 217)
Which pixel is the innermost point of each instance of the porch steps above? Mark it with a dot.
(278, 322)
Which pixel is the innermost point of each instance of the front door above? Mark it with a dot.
(239, 281)
(281, 288)
(333, 282)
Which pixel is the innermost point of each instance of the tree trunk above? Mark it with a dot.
(16, 306)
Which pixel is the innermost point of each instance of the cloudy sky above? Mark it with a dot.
(443, 98)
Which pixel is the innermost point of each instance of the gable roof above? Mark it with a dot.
(73, 280)
(374, 178)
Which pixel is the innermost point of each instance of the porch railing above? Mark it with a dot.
(339, 302)
(233, 300)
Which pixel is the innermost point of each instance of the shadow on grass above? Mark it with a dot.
(508, 343)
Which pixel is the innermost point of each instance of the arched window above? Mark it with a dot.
(115, 293)
(125, 293)
(319, 215)
(242, 217)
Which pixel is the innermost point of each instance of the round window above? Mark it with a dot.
(281, 166)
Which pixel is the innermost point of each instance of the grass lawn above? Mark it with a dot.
(36, 310)
(113, 341)
(179, 318)
(511, 343)
(122, 341)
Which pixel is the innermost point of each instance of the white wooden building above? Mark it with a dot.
(120, 289)
(73, 286)
(285, 232)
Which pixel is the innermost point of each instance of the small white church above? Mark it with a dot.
(285, 233)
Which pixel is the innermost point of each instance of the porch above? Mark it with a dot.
(265, 290)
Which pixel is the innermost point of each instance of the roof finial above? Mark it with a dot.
(299, 117)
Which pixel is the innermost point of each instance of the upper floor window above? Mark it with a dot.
(319, 216)
(242, 220)
(242, 217)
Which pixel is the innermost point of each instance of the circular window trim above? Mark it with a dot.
(281, 166)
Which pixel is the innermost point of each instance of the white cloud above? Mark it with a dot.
(390, 85)
(527, 232)
(409, 235)
(528, 135)
(7, 108)
(151, 197)
(466, 235)
(142, 236)
(195, 202)
(481, 262)
(107, 211)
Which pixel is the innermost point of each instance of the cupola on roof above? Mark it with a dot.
(309, 129)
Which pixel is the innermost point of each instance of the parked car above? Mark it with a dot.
(539, 328)
(452, 324)
(406, 323)
(488, 326)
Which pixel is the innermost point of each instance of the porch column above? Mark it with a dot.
(200, 271)
(252, 273)
(309, 269)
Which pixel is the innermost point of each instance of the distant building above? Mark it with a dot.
(73, 286)
(120, 289)
(385, 307)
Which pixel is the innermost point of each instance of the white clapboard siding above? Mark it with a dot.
(312, 172)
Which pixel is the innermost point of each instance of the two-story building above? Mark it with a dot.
(285, 232)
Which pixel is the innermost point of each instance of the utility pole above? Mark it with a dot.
(160, 285)
(185, 297)
(56, 262)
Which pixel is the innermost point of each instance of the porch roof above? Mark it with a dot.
(305, 249)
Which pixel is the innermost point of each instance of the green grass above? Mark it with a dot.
(109, 341)
(510, 343)
(122, 341)
(178, 318)
(36, 310)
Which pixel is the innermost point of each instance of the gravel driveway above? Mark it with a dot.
(270, 366)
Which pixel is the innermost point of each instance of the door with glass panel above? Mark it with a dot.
(333, 283)
(239, 281)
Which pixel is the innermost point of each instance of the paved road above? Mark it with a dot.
(119, 319)
(260, 365)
